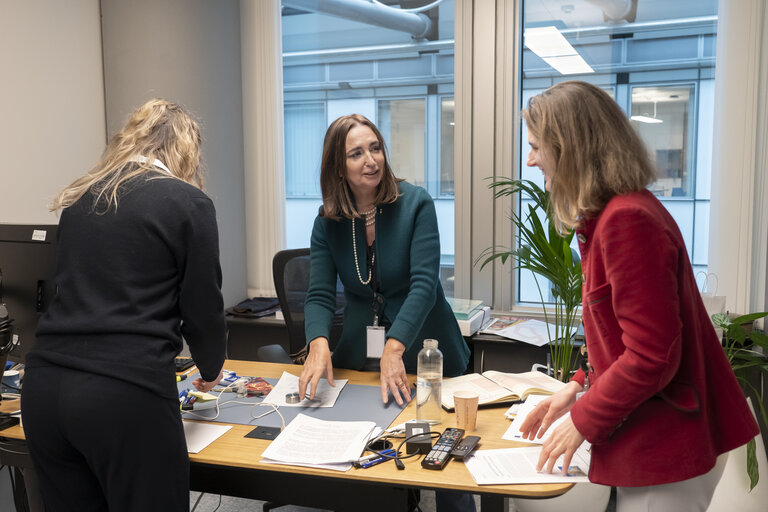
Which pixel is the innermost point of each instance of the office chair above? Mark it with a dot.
(290, 271)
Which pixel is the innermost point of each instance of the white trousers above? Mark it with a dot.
(692, 495)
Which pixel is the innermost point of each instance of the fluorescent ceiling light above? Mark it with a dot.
(549, 44)
(569, 64)
(646, 119)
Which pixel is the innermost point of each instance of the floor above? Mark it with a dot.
(215, 503)
(210, 502)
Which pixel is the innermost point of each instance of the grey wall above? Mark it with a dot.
(187, 51)
(51, 102)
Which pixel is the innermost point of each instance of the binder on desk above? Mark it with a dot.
(476, 322)
(464, 309)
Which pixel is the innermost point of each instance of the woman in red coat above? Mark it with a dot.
(661, 400)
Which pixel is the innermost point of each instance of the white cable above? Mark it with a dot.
(415, 9)
(234, 401)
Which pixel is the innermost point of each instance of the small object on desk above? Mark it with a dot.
(180, 378)
(438, 457)
(257, 386)
(262, 432)
(363, 462)
(183, 363)
(292, 398)
(416, 443)
(465, 404)
(375, 461)
(465, 447)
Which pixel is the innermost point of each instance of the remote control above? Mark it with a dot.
(438, 457)
(465, 447)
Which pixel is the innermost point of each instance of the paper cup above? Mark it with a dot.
(465, 403)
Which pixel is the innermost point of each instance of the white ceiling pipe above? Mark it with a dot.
(613, 9)
(365, 12)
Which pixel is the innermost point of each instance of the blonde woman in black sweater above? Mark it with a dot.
(138, 269)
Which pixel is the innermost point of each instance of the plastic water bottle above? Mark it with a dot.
(429, 383)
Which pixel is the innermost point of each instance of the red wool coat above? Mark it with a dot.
(663, 401)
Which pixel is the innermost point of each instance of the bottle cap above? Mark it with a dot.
(430, 343)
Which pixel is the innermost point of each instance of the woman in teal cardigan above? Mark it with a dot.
(379, 235)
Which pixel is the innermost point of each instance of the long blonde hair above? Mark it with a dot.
(337, 197)
(158, 130)
(596, 151)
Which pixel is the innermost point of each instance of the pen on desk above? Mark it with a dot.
(374, 456)
(373, 462)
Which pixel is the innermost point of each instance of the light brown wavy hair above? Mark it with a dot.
(338, 200)
(596, 151)
(158, 130)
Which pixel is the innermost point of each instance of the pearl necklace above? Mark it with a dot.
(370, 216)
(354, 254)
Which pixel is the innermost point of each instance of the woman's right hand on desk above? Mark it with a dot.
(548, 410)
(205, 386)
(317, 365)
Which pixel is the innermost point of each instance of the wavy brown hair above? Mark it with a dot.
(596, 151)
(337, 196)
(158, 130)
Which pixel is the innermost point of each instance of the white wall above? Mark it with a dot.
(187, 51)
(52, 127)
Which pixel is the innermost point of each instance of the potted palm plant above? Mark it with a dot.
(742, 347)
(549, 256)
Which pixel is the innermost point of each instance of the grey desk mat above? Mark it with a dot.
(355, 403)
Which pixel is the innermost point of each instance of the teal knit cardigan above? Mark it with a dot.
(408, 267)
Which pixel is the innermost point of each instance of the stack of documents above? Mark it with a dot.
(307, 441)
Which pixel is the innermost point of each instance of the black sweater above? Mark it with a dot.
(131, 282)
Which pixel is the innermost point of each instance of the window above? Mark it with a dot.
(334, 66)
(658, 64)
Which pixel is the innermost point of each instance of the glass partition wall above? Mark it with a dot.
(335, 65)
(657, 60)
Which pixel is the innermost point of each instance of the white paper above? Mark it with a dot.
(518, 466)
(307, 440)
(344, 466)
(199, 435)
(515, 409)
(513, 432)
(533, 332)
(325, 395)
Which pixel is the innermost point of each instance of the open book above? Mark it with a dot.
(495, 387)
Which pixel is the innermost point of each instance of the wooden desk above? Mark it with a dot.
(231, 465)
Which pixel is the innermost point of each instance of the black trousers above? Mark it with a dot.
(99, 443)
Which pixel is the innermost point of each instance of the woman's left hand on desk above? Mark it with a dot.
(393, 376)
(565, 440)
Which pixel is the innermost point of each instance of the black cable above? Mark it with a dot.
(217, 506)
(397, 457)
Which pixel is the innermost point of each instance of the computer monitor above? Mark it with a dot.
(27, 269)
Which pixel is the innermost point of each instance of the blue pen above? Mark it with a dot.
(378, 460)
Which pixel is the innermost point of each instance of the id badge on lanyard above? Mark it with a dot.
(375, 338)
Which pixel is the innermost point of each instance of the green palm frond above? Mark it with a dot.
(542, 250)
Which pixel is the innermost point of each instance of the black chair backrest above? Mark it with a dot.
(290, 270)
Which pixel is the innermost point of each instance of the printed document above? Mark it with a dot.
(518, 466)
(309, 441)
(325, 395)
(513, 432)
